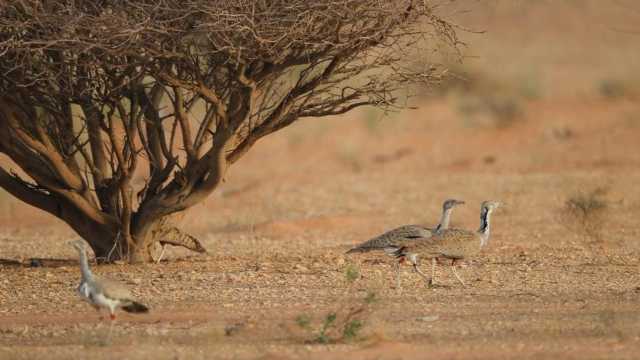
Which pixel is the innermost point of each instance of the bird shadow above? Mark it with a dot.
(38, 262)
(439, 286)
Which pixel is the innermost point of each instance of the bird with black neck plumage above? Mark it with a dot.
(448, 244)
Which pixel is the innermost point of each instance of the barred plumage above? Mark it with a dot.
(174, 236)
(451, 244)
(392, 236)
(407, 233)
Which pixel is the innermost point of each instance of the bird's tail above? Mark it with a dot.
(135, 307)
(358, 249)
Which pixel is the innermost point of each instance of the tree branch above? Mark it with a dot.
(185, 124)
(10, 116)
(28, 194)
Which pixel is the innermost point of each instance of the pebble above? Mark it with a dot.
(428, 318)
(301, 268)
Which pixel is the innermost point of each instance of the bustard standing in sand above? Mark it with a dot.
(449, 244)
(407, 233)
(104, 293)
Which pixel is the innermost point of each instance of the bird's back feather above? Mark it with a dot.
(391, 237)
(112, 289)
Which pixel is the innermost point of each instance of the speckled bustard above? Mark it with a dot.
(407, 233)
(104, 293)
(449, 244)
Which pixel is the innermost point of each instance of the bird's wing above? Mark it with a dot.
(403, 233)
(113, 289)
(412, 232)
(391, 237)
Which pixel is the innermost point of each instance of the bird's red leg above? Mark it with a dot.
(112, 315)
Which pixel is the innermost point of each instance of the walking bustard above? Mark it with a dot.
(451, 244)
(407, 233)
(104, 293)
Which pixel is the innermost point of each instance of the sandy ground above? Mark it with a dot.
(278, 229)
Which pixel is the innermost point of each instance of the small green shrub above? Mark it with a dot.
(351, 330)
(303, 320)
(343, 325)
(351, 273)
(329, 320)
(371, 298)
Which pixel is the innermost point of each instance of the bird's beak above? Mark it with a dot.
(460, 202)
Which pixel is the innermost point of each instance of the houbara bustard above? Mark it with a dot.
(449, 244)
(104, 293)
(407, 233)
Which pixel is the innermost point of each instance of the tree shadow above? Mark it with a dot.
(38, 262)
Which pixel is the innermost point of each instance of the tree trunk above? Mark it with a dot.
(110, 244)
(103, 216)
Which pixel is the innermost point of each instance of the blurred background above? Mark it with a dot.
(542, 114)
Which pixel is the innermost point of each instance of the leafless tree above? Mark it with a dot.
(95, 94)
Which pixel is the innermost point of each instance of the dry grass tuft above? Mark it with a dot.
(482, 100)
(612, 88)
(586, 212)
(495, 110)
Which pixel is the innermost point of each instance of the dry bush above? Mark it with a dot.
(612, 88)
(585, 213)
(460, 79)
(483, 100)
(121, 115)
(496, 110)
